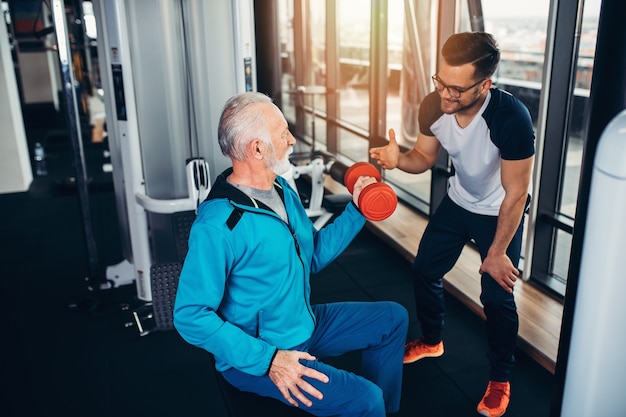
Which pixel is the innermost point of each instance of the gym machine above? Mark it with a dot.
(162, 154)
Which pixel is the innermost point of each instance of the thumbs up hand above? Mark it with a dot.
(387, 156)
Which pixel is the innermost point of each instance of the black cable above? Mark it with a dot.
(45, 31)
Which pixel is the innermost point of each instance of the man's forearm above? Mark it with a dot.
(413, 162)
(509, 220)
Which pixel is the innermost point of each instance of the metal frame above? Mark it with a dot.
(332, 78)
(560, 58)
(123, 129)
(442, 169)
(96, 279)
(378, 70)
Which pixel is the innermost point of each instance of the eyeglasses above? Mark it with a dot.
(454, 92)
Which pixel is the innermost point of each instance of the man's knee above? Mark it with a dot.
(499, 308)
(424, 272)
(399, 315)
(495, 299)
(370, 402)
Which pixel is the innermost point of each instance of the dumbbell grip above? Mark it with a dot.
(337, 171)
(377, 200)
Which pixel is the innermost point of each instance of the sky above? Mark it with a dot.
(491, 8)
(527, 8)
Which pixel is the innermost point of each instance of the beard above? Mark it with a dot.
(455, 105)
(278, 167)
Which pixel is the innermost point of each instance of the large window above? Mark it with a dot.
(353, 69)
(567, 66)
(411, 41)
(579, 96)
(353, 38)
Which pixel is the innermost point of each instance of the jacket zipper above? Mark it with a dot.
(295, 241)
(297, 247)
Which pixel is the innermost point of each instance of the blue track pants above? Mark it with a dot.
(379, 329)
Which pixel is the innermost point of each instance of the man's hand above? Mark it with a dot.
(501, 270)
(387, 156)
(287, 373)
(360, 183)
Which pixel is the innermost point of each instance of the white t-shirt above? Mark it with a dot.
(502, 129)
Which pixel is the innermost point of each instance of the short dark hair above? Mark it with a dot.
(478, 48)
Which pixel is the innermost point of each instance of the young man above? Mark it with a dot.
(244, 291)
(489, 137)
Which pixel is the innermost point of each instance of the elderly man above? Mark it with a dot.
(244, 292)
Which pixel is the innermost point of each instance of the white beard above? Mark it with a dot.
(279, 167)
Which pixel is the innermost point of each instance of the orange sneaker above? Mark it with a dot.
(417, 349)
(496, 399)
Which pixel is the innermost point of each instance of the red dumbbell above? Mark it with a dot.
(377, 201)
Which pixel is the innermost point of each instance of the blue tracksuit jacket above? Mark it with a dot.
(244, 288)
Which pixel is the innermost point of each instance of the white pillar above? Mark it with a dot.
(15, 170)
(596, 365)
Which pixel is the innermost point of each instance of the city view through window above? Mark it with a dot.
(521, 30)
